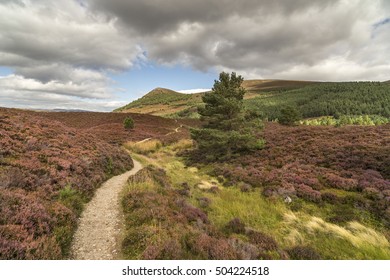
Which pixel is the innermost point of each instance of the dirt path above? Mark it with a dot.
(100, 222)
(142, 141)
(176, 130)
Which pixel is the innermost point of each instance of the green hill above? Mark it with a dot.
(328, 99)
(162, 102)
(312, 99)
(166, 102)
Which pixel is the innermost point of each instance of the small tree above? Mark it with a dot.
(128, 123)
(227, 129)
(289, 115)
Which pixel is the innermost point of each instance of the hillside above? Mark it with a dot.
(162, 102)
(312, 99)
(51, 164)
(327, 99)
(165, 102)
(109, 126)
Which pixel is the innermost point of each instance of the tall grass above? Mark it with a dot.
(307, 226)
(255, 211)
(144, 147)
(354, 241)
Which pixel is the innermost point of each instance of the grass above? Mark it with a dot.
(307, 226)
(347, 120)
(162, 101)
(144, 147)
(269, 96)
(354, 241)
(172, 104)
(255, 211)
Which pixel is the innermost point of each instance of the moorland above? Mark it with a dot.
(333, 166)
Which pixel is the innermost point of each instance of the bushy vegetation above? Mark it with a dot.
(51, 164)
(330, 218)
(289, 115)
(109, 126)
(162, 224)
(312, 99)
(128, 123)
(336, 166)
(47, 172)
(347, 120)
(327, 99)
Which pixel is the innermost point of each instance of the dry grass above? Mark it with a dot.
(144, 147)
(354, 238)
(182, 144)
(303, 233)
(157, 109)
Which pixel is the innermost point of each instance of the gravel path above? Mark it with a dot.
(100, 222)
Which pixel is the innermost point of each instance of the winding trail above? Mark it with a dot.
(100, 223)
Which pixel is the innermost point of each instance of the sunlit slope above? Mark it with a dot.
(312, 99)
(166, 102)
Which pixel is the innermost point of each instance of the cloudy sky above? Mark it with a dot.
(99, 54)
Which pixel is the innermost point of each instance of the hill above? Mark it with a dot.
(165, 102)
(312, 99)
(161, 102)
(327, 99)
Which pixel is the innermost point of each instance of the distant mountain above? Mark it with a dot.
(61, 110)
(166, 102)
(69, 110)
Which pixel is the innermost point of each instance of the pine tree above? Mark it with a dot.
(289, 115)
(228, 129)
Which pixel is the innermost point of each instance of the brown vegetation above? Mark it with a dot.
(50, 165)
(162, 224)
(347, 165)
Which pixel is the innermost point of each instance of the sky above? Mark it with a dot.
(99, 55)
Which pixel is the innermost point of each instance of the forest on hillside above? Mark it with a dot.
(327, 99)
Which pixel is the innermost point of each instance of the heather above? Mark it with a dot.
(162, 223)
(312, 99)
(109, 126)
(48, 171)
(338, 204)
(344, 167)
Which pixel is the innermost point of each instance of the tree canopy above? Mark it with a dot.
(228, 129)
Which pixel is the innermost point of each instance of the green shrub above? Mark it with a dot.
(128, 123)
(289, 115)
(72, 199)
(235, 226)
(303, 253)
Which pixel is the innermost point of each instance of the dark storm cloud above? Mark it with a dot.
(166, 15)
(268, 37)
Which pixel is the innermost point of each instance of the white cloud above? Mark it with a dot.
(59, 49)
(87, 89)
(65, 50)
(195, 90)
